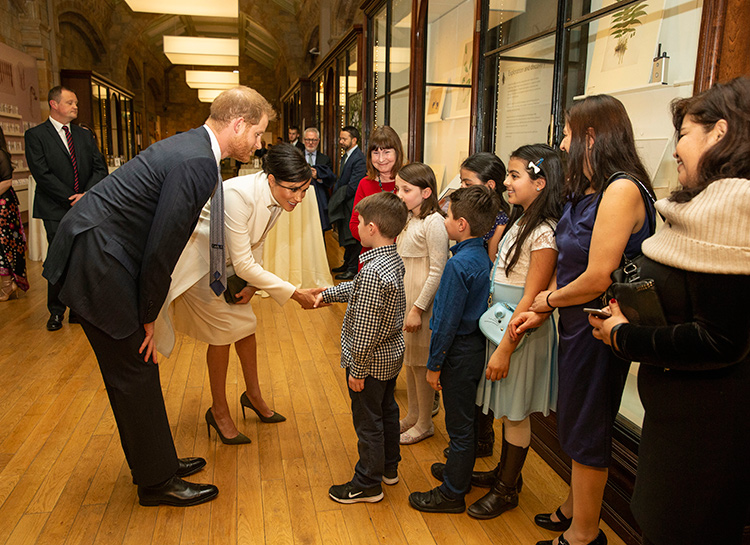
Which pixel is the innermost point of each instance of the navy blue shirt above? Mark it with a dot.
(461, 298)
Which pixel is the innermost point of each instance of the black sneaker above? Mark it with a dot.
(433, 501)
(390, 476)
(348, 493)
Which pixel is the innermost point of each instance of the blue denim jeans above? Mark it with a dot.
(375, 415)
(460, 376)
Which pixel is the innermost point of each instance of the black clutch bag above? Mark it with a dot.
(235, 284)
(636, 296)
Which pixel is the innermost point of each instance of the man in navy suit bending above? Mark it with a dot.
(113, 257)
(65, 163)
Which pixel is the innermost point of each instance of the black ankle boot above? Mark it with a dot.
(485, 479)
(503, 495)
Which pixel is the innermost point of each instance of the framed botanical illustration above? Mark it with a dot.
(625, 44)
(435, 103)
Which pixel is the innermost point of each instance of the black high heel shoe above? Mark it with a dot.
(273, 419)
(211, 421)
(545, 521)
(601, 539)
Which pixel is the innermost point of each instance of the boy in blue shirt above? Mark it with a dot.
(372, 347)
(457, 346)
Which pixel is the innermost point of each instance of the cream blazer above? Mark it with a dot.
(250, 211)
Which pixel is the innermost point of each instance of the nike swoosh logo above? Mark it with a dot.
(355, 495)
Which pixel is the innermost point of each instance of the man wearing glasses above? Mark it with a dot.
(322, 173)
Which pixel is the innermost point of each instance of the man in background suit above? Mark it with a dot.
(65, 163)
(353, 169)
(322, 173)
(293, 134)
(113, 257)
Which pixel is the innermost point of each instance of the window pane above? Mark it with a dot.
(523, 78)
(450, 42)
(513, 20)
(400, 43)
(379, 114)
(400, 115)
(378, 54)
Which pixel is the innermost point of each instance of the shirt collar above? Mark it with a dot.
(350, 151)
(58, 126)
(474, 241)
(377, 252)
(214, 144)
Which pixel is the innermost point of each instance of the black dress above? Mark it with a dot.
(12, 236)
(693, 480)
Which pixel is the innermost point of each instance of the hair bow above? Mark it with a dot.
(535, 166)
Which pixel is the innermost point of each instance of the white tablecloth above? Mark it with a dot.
(294, 249)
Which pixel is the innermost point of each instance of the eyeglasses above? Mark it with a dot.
(294, 189)
(312, 139)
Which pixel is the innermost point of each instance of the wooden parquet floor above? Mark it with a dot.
(64, 480)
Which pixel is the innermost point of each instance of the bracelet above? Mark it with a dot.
(612, 332)
(550, 305)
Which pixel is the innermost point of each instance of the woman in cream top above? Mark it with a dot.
(252, 205)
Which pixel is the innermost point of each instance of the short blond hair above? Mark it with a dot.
(242, 102)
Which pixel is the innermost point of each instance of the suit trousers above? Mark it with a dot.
(459, 377)
(351, 256)
(375, 415)
(54, 305)
(134, 391)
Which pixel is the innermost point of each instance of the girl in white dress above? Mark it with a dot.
(521, 377)
(423, 246)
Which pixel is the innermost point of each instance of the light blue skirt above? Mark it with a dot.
(531, 384)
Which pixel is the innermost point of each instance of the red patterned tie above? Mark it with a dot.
(73, 160)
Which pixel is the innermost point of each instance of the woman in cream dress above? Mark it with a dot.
(252, 205)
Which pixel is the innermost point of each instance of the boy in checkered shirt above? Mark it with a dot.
(372, 347)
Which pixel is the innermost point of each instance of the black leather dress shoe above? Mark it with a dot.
(433, 501)
(346, 275)
(55, 322)
(342, 268)
(176, 492)
(188, 466)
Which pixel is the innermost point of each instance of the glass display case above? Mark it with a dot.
(389, 62)
(449, 68)
(107, 110)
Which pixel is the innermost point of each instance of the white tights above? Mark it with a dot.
(420, 397)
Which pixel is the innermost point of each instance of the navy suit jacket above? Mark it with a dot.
(115, 250)
(49, 163)
(341, 205)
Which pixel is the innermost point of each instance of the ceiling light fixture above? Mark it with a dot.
(202, 51)
(214, 8)
(211, 79)
(208, 95)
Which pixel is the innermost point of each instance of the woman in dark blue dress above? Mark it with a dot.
(605, 216)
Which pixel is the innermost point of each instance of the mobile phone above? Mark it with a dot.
(598, 312)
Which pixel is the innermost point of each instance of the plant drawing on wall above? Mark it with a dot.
(624, 25)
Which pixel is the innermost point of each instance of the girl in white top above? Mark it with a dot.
(423, 245)
(521, 376)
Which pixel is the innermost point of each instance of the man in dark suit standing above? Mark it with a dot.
(113, 257)
(353, 169)
(293, 134)
(65, 163)
(322, 173)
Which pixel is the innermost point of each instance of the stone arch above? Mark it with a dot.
(87, 33)
(133, 75)
(155, 89)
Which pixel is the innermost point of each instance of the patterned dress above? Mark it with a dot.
(12, 236)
